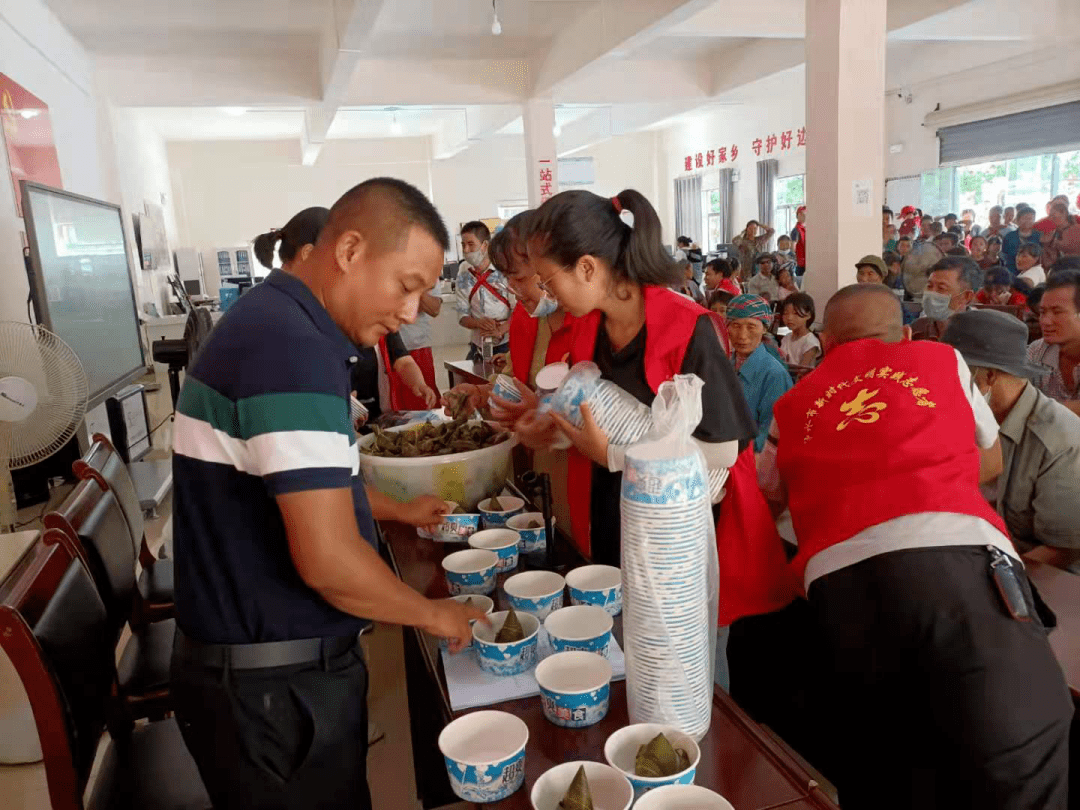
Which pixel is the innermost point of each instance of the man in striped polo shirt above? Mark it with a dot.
(276, 566)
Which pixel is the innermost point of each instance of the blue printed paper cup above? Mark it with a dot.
(511, 658)
(575, 688)
(610, 789)
(456, 528)
(599, 585)
(621, 749)
(503, 542)
(485, 755)
(530, 540)
(582, 628)
(683, 797)
(479, 602)
(497, 520)
(470, 571)
(537, 593)
(505, 388)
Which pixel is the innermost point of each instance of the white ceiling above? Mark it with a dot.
(342, 63)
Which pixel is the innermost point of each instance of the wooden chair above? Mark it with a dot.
(92, 523)
(56, 631)
(155, 582)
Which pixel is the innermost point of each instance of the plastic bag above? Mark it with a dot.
(670, 567)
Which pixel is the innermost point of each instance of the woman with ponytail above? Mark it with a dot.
(603, 260)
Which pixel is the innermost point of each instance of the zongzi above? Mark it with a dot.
(534, 524)
(458, 436)
(494, 504)
(511, 630)
(659, 758)
(458, 510)
(578, 797)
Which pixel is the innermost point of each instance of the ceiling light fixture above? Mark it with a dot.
(234, 111)
(496, 26)
(29, 113)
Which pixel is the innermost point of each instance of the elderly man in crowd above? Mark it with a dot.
(950, 288)
(942, 690)
(1058, 350)
(764, 282)
(1040, 439)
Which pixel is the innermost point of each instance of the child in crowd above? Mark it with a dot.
(801, 347)
(993, 251)
(903, 246)
(977, 246)
(998, 289)
(784, 253)
(785, 277)
(1029, 269)
(718, 302)
(894, 263)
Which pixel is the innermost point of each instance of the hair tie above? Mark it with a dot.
(617, 204)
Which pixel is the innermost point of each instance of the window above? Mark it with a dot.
(790, 194)
(714, 226)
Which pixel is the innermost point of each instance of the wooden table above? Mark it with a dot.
(466, 371)
(739, 759)
(1061, 591)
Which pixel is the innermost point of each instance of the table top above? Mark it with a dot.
(1061, 591)
(475, 373)
(739, 759)
(12, 546)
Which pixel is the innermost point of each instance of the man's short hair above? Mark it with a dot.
(783, 238)
(886, 210)
(947, 217)
(1065, 278)
(684, 240)
(891, 257)
(384, 210)
(904, 238)
(959, 250)
(968, 272)
(952, 237)
(994, 240)
(1030, 249)
(1065, 264)
(937, 228)
(1024, 209)
(997, 208)
(477, 229)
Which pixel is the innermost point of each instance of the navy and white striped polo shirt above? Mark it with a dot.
(263, 411)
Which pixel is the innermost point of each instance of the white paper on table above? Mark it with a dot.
(469, 686)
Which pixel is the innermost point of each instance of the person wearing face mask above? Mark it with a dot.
(277, 570)
(911, 576)
(483, 296)
(1039, 486)
(998, 289)
(950, 288)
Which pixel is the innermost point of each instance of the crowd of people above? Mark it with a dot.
(881, 499)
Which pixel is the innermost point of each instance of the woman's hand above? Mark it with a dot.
(466, 397)
(589, 439)
(426, 394)
(509, 411)
(535, 430)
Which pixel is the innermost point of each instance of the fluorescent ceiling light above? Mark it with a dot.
(234, 111)
(29, 113)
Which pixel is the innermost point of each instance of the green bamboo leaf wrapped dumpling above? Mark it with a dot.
(511, 630)
(494, 504)
(659, 757)
(578, 797)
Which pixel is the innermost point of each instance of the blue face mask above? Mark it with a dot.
(935, 306)
(545, 307)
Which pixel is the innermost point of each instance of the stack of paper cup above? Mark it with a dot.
(622, 417)
(665, 563)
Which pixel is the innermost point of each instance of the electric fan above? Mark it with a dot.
(43, 393)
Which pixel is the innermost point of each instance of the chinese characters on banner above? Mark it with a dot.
(770, 144)
(27, 128)
(547, 181)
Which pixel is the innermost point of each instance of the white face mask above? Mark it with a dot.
(935, 306)
(545, 307)
(475, 257)
(986, 395)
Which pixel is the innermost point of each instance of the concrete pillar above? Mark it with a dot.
(541, 162)
(845, 150)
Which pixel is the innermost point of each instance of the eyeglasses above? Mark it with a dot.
(545, 284)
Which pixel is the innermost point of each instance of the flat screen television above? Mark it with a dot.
(82, 283)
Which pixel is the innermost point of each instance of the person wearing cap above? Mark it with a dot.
(1040, 438)
(764, 282)
(936, 679)
(871, 269)
(950, 288)
(764, 378)
(798, 236)
(998, 289)
(909, 221)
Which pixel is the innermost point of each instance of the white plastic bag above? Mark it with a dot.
(670, 568)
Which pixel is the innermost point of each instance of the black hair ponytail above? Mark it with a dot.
(579, 223)
(302, 229)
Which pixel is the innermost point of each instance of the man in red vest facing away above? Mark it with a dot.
(941, 688)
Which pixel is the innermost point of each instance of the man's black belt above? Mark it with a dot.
(266, 654)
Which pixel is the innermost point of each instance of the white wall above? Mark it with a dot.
(38, 53)
(472, 184)
(627, 161)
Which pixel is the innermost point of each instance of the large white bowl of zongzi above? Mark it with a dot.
(437, 460)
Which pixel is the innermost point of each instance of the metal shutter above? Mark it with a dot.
(1049, 129)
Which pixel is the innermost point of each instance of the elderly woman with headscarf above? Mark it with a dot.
(764, 378)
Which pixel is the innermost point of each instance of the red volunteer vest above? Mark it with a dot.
(876, 432)
(523, 330)
(754, 576)
(800, 246)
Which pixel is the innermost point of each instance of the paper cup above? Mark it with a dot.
(503, 542)
(530, 540)
(599, 585)
(456, 528)
(610, 789)
(575, 688)
(511, 658)
(537, 593)
(582, 628)
(484, 754)
(497, 520)
(479, 602)
(621, 749)
(683, 797)
(470, 571)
